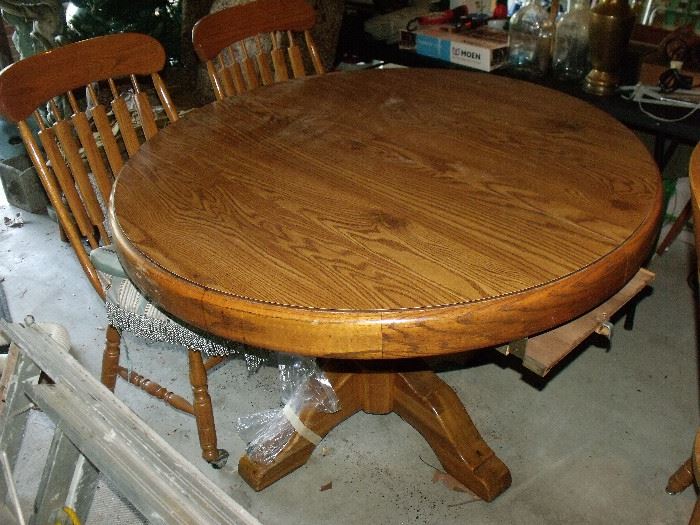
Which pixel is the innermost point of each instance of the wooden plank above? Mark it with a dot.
(159, 481)
(7, 517)
(11, 489)
(13, 422)
(7, 371)
(17, 406)
(155, 491)
(68, 480)
(544, 351)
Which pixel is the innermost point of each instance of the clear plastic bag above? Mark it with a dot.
(303, 384)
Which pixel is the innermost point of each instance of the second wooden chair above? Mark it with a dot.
(689, 472)
(258, 43)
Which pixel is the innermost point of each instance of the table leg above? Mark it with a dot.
(430, 406)
(421, 398)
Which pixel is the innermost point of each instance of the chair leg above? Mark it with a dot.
(676, 228)
(695, 517)
(203, 411)
(110, 358)
(681, 479)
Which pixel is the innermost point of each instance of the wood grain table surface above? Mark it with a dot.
(387, 213)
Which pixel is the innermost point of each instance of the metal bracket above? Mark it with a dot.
(605, 328)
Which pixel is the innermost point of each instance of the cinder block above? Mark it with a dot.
(22, 186)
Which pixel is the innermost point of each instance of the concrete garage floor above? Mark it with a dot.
(595, 443)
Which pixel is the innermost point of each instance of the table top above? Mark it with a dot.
(386, 213)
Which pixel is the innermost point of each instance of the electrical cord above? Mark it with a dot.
(670, 81)
(663, 119)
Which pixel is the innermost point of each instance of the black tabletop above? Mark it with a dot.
(628, 112)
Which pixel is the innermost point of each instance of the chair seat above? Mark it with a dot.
(129, 310)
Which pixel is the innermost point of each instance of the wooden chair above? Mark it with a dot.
(256, 44)
(81, 144)
(690, 470)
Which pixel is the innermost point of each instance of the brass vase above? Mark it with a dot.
(610, 29)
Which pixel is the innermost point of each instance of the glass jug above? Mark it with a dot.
(570, 59)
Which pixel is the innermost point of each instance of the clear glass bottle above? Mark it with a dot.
(530, 39)
(570, 59)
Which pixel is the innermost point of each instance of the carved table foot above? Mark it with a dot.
(430, 406)
(421, 399)
(298, 450)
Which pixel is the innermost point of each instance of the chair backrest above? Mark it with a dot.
(81, 143)
(269, 30)
(694, 176)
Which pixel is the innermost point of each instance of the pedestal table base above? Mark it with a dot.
(415, 393)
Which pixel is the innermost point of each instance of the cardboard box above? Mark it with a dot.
(482, 48)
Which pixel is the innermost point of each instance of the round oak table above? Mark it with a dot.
(375, 218)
